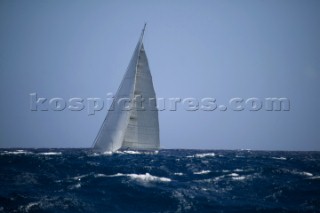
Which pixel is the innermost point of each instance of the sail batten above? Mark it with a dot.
(137, 128)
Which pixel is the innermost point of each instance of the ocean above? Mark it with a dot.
(79, 180)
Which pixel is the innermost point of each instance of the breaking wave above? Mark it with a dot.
(79, 180)
(279, 158)
(16, 152)
(202, 172)
(202, 155)
(143, 177)
(50, 153)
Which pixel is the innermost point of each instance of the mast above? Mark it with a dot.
(144, 28)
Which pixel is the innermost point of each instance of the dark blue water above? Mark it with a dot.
(77, 180)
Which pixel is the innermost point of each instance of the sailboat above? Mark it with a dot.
(133, 127)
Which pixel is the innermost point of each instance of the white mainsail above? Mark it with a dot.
(135, 126)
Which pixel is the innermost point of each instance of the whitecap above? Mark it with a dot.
(45, 204)
(147, 177)
(30, 205)
(115, 175)
(239, 178)
(205, 155)
(238, 170)
(202, 172)
(107, 153)
(143, 177)
(202, 155)
(233, 175)
(279, 158)
(307, 174)
(303, 173)
(218, 178)
(178, 173)
(50, 153)
(16, 152)
(76, 186)
(80, 177)
(93, 155)
(100, 175)
(132, 152)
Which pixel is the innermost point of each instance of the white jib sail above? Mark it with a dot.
(135, 126)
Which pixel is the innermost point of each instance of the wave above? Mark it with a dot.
(236, 176)
(132, 152)
(314, 177)
(239, 178)
(141, 177)
(76, 186)
(53, 204)
(178, 173)
(100, 175)
(219, 178)
(29, 206)
(303, 173)
(95, 154)
(76, 182)
(129, 152)
(107, 153)
(279, 158)
(202, 155)
(202, 172)
(184, 204)
(307, 174)
(81, 177)
(16, 152)
(21, 152)
(50, 153)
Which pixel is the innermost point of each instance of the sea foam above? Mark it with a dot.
(143, 177)
(202, 172)
(50, 153)
(202, 155)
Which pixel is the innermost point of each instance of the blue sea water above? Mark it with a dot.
(78, 180)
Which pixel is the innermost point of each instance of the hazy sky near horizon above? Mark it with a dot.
(218, 49)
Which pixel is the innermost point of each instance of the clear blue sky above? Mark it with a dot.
(219, 49)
